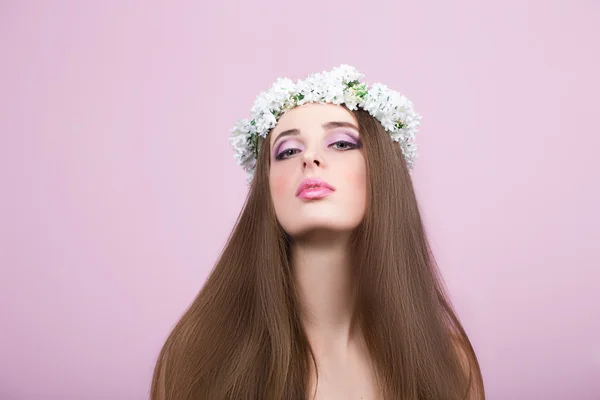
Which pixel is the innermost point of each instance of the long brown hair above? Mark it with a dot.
(242, 338)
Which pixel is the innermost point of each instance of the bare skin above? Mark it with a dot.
(321, 230)
(344, 367)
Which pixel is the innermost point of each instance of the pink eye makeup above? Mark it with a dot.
(346, 139)
(337, 140)
(287, 148)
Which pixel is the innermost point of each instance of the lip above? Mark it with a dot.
(314, 188)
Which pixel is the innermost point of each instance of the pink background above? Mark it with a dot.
(120, 188)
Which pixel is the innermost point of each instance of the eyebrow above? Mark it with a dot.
(326, 126)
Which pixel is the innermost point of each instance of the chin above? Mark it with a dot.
(321, 226)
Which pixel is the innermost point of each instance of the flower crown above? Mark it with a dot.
(339, 86)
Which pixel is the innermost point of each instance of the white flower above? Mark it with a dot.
(262, 103)
(280, 92)
(333, 91)
(346, 73)
(265, 123)
(341, 85)
(351, 99)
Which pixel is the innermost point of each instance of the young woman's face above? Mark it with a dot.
(318, 173)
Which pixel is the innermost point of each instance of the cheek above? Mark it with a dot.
(278, 183)
(357, 176)
(355, 179)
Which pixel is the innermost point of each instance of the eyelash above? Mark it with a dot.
(351, 146)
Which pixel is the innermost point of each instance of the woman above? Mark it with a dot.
(326, 288)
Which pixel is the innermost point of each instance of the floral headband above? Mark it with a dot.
(339, 86)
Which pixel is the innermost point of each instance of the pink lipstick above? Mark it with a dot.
(313, 188)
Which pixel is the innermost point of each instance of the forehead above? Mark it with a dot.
(312, 115)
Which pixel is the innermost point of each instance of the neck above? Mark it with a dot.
(323, 278)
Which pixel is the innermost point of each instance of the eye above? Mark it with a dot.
(344, 145)
(286, 154)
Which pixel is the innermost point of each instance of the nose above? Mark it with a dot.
(310, 159)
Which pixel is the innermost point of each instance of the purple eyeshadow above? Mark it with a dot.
(332, 138)
(281, 147)
(337, 136)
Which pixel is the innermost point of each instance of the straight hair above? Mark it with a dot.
(241, 338)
